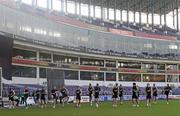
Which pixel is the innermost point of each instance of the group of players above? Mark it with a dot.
(13, 98)
(40, 97)
(117, 93)
(150, 91)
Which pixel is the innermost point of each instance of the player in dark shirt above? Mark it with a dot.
(167, 90)
(11, 98)
(38, 95)
(26, 95)
(115, 95)
(154, 89)
(65, 97)
(135, 95)
(121, 93)
(54, 96)
(90, 92)
(43, 98)
(78, 97)
(96, 94)
(148, 95)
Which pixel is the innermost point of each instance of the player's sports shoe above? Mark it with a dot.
(147, 105)
(114, 105)
(134, 105)
(76, 106)
(54, 106)
(97, 105)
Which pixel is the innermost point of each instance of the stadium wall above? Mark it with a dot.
(51, 65)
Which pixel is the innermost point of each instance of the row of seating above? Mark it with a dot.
(157, 29)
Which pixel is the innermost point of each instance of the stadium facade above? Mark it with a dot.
(61, 48)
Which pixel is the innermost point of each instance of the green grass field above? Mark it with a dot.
(105, 109)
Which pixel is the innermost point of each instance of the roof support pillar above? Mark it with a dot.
(94, 9)
(80, 8)
(140, 21)
(102, 11)
(173, 18)
(160, 16)
(121, 12)
(148, 13)
(127, 12)
(49, 4)
(147, 16)
(66, 6)
(177, 13)
(89, 9)
(134, 13)
(34, 3)
(173, 5)
(62, 5)
(75, 5)
(152, 8)
(108, 9)
(165, 23)
(115, 11)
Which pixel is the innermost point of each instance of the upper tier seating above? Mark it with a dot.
(158, 29)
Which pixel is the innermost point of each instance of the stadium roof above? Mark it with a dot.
(157, 6)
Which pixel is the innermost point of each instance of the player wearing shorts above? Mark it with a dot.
(11, 98)
(96, 94)
(167, 90)
(115, 95)
(121, 93)
(90, 92)
(148, 95)
(43, 98)
(26, 95)
(65, 97)
(154, 89)
(135, 95)
(38, 95)
(54, 96)
(78, 97)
